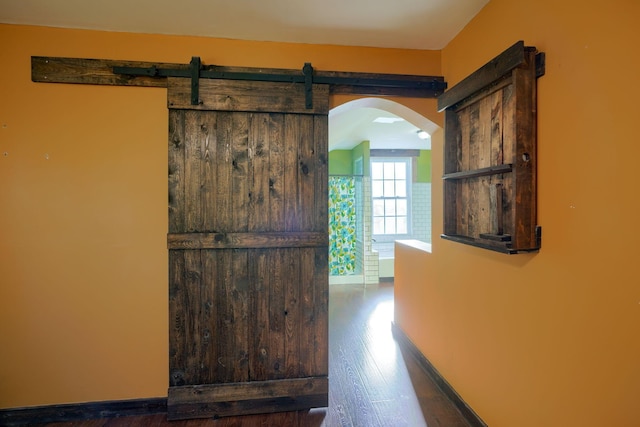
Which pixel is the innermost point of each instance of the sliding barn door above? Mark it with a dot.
(248, 279)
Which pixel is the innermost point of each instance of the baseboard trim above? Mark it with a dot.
(405, 343)
(82, 411)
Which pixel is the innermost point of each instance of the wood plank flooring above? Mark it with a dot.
(371, 382)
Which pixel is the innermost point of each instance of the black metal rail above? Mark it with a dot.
(196, 71)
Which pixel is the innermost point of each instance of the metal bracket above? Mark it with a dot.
(540, 64)
(307, 70)
(196, 66)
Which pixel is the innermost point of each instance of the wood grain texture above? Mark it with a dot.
(267, 239)
(259, 332)
(176, 165)
(256, 397)
(178, 333)
(502, 64)
(291, 175)
(276, 296)
(92, 71)
(236, 95)
(490, 155)
(258, 145)
(100, 72)
(320, 160)
(526, 153)
(475, 173)
(463, 154)
(276, 172)
(508, 136)
(248, 241)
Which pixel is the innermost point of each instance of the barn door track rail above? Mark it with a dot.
(138, 73)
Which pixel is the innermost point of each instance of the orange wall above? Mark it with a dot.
(83, 215)
(547, 339)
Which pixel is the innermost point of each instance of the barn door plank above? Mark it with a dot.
(276, 172)
(176, 170)
(277, 303)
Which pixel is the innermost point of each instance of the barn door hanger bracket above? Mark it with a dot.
(307, 70)
(362, 83)
(195, 66)
(196, 71)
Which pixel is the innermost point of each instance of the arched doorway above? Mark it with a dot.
(366, 136)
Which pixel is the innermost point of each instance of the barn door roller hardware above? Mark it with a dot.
(308, 77)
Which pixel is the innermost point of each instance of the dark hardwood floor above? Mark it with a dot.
(371, 382)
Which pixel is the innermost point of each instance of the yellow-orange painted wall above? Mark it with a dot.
(547, 339)
(83, 207)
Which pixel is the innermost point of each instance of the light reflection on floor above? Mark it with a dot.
(372, 382)
(382, 345)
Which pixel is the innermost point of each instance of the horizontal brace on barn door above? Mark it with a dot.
(101, 72)
(258, 240)
(253, 397)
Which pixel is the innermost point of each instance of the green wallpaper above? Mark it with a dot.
(340, 162)
(424, 166)
(362, 150)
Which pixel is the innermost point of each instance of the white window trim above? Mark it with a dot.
(391, 237)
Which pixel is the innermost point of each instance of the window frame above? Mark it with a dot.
(408, 161)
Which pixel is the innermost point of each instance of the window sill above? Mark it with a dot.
(416, 244)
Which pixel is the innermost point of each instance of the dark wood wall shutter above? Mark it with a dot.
(490, 162)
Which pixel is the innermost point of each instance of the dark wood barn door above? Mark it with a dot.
(248, 281)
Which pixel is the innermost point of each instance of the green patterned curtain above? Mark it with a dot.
(342, 225)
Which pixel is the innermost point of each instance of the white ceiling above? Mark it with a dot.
(357, 121)
(411, 24)
(360, 123)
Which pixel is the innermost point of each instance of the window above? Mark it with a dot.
(390, 195)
